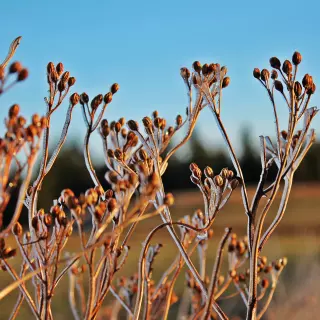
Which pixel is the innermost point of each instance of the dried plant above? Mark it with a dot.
(136, 157)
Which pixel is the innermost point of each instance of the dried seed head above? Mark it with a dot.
(197, 66)
(15, 67)
(256, 73)
(169, 199)
(133, 125)
(265, 75)
(112, 204)
(74, 99)
(274, 74)
(61, 86)
(84, 98)
(96, 101)
(196, 172)
(50, 67)
(208, 172)
(287, 67)
(17, 229)
(284, 134)
(278, 85)
(225, 82)
(147, 122)
(312, 89)
(307, 81)
(59, 68)
(71, 81)
(204, 69)
(114, 88)
(185, 73)
(296, 58)
(218, 180)
(35, 223)
(265, 283)
(179, 120)
(275, 63)
(14, 111)
(23, 74)
(117, 127)
(48, 220)
(297, 89)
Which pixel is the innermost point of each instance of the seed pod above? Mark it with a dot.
(84, 98)
(274, 74)
(23, 74)
(48, 220)
(275, 63)
(196, 172)
(14, 111)
(278, 85)
(74, 99)
(208, 172)
(143, 155)
(225, 82)
(71, 81)
(284, 134)
(61, 86)
(218, 180)
(118, 154)
(112, 204)
(307, 81)
(312, 89)
(179, 120)
(265, 75)
(17, 229)
(185, 73)
(117, 127)
(59, 68)
(50, 68)
(265, 283)
(133, 125)
(15, 67)
(204, 69)
(169, 199)
(197, 66)
(287, 67)
(35, 223)
(296, 58)
(297, 89)
(114, 88)
(147, 122)
(55, 210)
(256, 73)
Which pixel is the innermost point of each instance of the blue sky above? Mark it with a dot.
(142, 45)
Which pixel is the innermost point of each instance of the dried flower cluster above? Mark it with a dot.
(136, 157)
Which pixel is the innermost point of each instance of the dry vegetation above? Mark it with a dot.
(101, 223)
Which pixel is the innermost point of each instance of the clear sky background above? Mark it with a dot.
(143, 44)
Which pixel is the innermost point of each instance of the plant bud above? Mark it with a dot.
(74, 99)
(133, 125)
(197, 66)
(296, 58)
(297, 89)
(169, 199)
(275, 63)
(265, 75)
(307, 81)
(15, 67)
(225, 82)
(256, 73)
(274, 74)
(287, 67)
(17, 229)
(23, 74)
(278, 85)
(59, 68)
(14, 111)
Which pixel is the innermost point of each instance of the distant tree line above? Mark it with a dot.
(70, 172)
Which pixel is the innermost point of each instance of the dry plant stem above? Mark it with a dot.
(23, 289)
(12, 49)
(185, 256)
(214, 276)
(122, 302)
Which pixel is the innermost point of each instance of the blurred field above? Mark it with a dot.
(297, 238)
